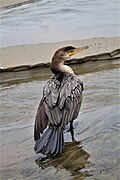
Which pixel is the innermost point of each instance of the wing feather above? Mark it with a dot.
(41, 121)
(62, 100)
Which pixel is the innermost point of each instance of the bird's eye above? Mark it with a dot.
(70, 50)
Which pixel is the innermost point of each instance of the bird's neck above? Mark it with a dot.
(60, 68)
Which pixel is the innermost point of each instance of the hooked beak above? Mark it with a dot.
(77, 50)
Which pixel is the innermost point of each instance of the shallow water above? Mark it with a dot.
(97, 129)
(52, 20)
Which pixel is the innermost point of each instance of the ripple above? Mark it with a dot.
(78, 16)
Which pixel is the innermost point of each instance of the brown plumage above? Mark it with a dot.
(60, 104)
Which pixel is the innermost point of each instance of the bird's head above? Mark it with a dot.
(65, 53)
(61, 55)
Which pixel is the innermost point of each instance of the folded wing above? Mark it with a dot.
(62, 97)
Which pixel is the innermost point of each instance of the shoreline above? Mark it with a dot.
(29, 56)
(6, 3)
(113, 55)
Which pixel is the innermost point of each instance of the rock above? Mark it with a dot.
(104, 56)
(90, 58)
(21, 68)
(115, 53)
(74, 61)
(40, 65)
(9, 69)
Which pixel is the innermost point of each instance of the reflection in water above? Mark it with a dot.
(73, 159)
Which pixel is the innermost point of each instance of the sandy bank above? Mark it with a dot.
(42, 53)
(4, 3)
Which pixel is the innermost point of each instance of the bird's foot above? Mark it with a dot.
(74, 141)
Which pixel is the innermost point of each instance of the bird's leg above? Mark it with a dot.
(72, 131)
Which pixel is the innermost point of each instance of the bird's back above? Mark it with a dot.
(62, 94)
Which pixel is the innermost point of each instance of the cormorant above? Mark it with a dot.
(60, 104)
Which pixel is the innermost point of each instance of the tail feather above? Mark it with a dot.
(54, 143)
(51, 142)
(58, 142)
(41, 142)
(61, 142)
(57, 145)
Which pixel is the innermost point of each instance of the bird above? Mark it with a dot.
(59, 105)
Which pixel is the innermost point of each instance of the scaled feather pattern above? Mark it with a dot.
(60, 104)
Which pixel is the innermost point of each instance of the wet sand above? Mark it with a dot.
(42, 53)
(4, 3)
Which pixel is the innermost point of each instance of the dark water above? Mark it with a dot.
(97, 129)
(54, 20)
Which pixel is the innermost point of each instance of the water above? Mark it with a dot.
(53, 20)
(97, 129)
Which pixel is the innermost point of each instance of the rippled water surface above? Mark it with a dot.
(96, 128)
(49, 21)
